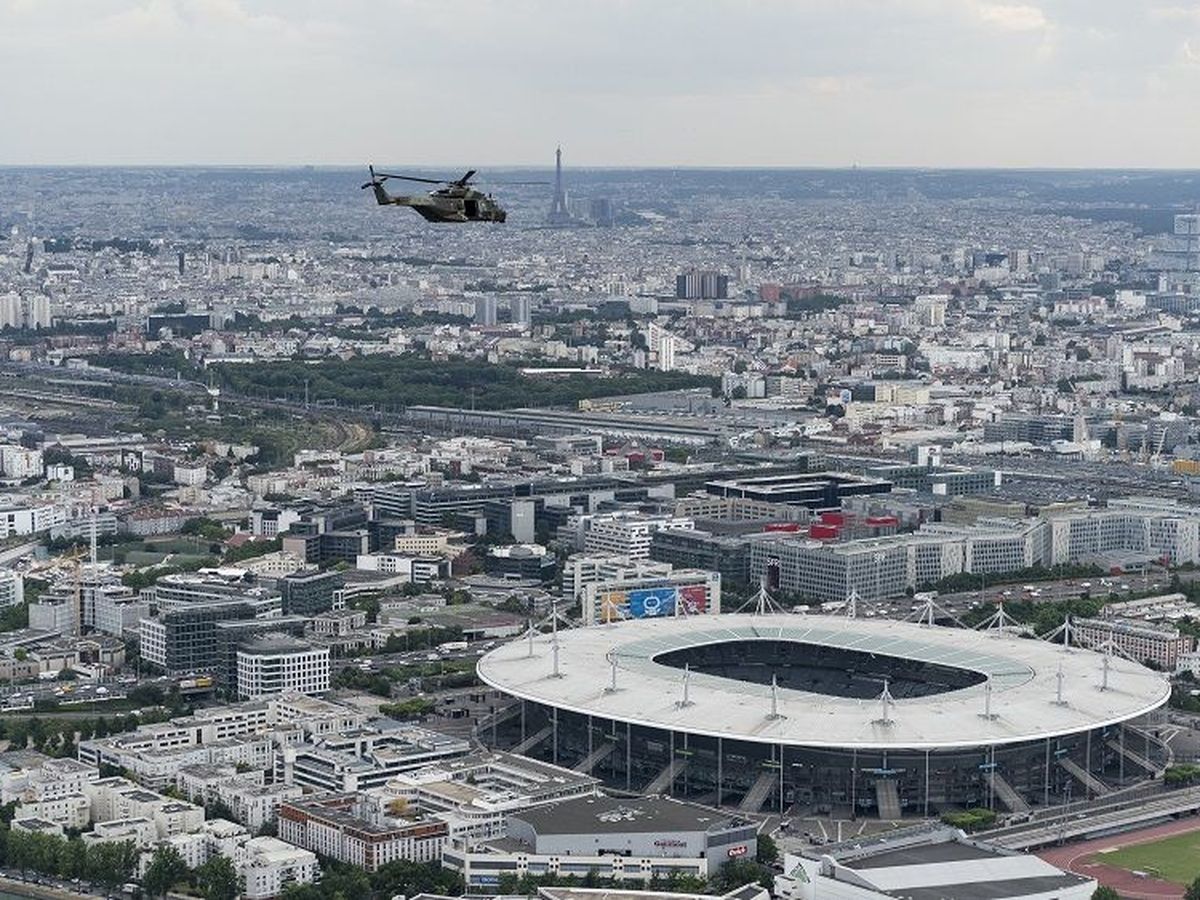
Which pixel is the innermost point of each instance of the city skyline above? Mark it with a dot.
(919, 83)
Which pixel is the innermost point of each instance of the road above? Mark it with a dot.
(10, 555)
(959, 603)
(1098, 818)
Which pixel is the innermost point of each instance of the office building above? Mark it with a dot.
(274, 663)
(306, 593)
(694, 549)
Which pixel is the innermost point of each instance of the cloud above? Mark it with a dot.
(1012, 18)
(1176, 13)
(928, 82)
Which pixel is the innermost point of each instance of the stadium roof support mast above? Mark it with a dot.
(761, 604)
(1058, 693)
(612, 662)
(928, 612)
(1000, 620)
(851, 609)
(987, 701)
(888, 702)
(687, 677)
(554, 636)
(1065, 629)
(775, 713)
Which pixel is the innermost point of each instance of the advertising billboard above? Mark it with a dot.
(614, 606)
(694, 598)
(651, 602)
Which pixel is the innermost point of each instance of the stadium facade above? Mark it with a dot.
(834, 714)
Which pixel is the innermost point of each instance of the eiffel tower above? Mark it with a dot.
(559, 215)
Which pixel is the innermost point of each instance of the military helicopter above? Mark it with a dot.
(455, 201)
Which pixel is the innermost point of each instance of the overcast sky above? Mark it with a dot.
(617, 82)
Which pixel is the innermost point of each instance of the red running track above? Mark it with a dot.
(1081, 859)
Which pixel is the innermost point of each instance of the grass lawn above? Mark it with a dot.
(1175, 858)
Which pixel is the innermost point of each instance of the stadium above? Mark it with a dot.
(826, 714)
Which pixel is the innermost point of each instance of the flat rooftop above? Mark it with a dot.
(613, 815)
(938, 863)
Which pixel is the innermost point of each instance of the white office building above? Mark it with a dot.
(274, 663)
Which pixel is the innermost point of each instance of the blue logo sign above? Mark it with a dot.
(651, 602)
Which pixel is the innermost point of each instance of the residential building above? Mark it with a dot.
(331, 825)
(1161, 646)
(268, 865)
(12, 588)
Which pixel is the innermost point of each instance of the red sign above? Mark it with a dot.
(694, 598)
(739, 850)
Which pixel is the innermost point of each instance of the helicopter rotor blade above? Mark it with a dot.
(463, 181)
(385, 175)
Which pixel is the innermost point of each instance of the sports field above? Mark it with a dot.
(1113, 860)
(1175, 858)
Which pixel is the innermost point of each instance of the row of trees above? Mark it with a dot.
(57, 738)
(402, 877)
(731, 876)
(111, 863)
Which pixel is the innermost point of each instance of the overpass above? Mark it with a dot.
(1098, 819)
